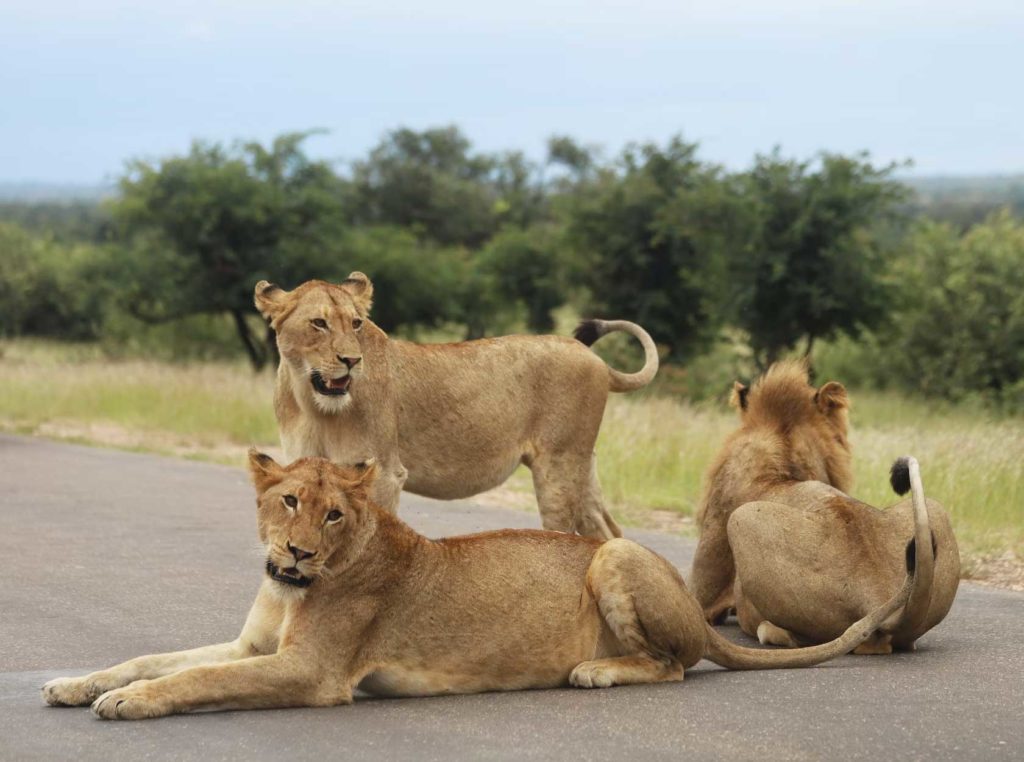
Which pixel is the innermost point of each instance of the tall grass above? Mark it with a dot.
(206, 403)
(652, 452)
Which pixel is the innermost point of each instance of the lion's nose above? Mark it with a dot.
(350, 362)
(299, 553)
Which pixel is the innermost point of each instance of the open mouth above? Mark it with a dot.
(290, 576)
(332, 387)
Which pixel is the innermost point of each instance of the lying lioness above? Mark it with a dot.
(360, 599)
(782, 542)
(446, 420)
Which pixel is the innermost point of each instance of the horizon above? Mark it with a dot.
(91, 88)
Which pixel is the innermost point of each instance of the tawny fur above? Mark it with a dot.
(783, 543)
(447, 420)
(395, 614)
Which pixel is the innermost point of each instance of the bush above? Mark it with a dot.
(47, 289)
(959, 319)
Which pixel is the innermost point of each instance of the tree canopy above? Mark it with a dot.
(776, 257)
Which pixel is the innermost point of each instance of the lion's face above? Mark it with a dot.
(318, 329)
(309, 515)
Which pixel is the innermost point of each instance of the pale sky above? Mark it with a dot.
(86, 85)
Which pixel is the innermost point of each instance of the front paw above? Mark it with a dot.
(136, 702)
(77, 691)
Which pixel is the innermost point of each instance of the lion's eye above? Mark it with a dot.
(291, 501)
(319, 322)
(333, 516)
(357, 324)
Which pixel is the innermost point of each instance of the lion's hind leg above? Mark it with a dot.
(769, 634)
(569, 495)
(624, 670)
(877, 644)
(657, 625)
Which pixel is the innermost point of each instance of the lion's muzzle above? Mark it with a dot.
(289, 576)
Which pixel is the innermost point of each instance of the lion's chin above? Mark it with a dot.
(331, 405)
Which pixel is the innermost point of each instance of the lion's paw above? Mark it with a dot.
(74, 691)
(590, 675)
(135, 702)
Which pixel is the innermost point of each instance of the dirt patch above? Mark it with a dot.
(1005, 570)
(141, 440)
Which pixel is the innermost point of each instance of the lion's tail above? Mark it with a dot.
(589, 331)
(725, 653)
(904, 477)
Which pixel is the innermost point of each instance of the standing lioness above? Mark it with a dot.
(357, 598)
(447, 420)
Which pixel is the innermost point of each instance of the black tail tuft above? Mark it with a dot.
(899, 476)
(911, 556)
(588, 331)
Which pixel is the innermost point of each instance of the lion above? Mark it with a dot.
(783, 542)
(445, 421)
(357, 599)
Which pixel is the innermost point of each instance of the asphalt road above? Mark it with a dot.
(109, 555)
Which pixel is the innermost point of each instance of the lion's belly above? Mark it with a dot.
(458, 478)
(399, 680)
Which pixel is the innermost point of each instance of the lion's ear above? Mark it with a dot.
(360, 289)
(264, 470)
(367, 471)
(270, 300)
(360, 479)
(831, 398)
(738, 398)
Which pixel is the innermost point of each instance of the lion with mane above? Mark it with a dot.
(785, 545)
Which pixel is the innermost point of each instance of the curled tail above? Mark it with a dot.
(589, 331)
(725, 653)
(906, 477)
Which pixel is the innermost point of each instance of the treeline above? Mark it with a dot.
(788, 256)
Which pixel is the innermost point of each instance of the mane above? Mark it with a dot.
(782, 397)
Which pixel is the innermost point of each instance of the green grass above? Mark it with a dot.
(652, 452)
(205, 404)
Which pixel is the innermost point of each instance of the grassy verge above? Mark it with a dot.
(652, 452)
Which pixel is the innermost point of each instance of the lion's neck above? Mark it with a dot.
(773, 460)
(379, 559)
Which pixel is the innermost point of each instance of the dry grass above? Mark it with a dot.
(652, 452)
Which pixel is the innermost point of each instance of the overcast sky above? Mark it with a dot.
(85, 85)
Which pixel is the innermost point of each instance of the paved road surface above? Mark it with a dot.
(109, 555)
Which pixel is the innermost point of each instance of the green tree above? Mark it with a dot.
(416, 283)
(813, 265)
(529, 268)
(652, 233)
(50, 289)
(434, 184)
(427, 182)
(200, 229)
(958, 324)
